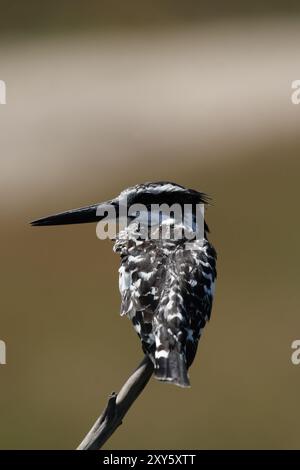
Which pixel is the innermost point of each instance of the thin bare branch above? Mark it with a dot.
(117, 407)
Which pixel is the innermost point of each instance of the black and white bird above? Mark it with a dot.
(166, 285)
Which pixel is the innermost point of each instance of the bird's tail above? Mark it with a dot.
(170, 366)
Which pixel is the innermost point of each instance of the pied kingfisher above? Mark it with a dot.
(166, 285)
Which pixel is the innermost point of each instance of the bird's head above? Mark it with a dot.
(162, 192)
(147, 194)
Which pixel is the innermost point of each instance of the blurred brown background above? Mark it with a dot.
(103, 95)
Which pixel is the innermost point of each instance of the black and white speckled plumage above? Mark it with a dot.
(167, 286)
(167, 290)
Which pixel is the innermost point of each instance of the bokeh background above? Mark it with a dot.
(103, 95)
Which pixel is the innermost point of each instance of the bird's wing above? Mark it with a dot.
(141, 279)
(168, 296)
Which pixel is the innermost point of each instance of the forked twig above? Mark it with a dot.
(117, 407)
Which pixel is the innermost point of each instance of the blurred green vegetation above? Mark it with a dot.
(36, 17)
(68, 348)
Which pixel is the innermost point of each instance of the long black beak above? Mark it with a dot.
(83, 215)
